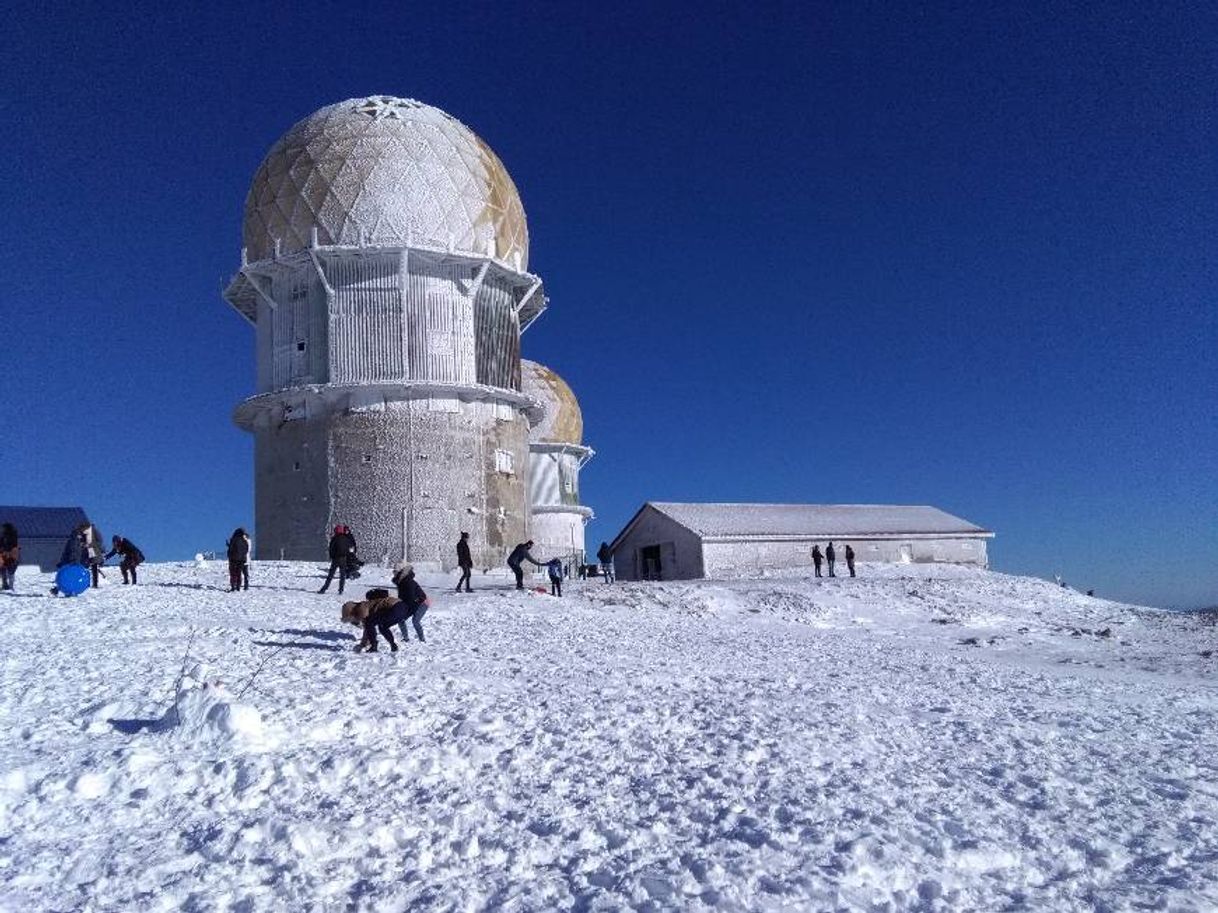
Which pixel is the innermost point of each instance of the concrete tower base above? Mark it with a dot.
(408, 474)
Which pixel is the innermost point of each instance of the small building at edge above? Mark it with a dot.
(666, 541)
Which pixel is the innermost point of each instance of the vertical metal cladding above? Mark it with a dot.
(366, 319)
(497, 337)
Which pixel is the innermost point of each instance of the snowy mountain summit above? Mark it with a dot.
(920, 738)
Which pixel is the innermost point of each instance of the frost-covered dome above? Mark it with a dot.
(384, 170)
(563, 422)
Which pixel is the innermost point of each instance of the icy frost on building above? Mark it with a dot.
(556, 455)
(666, 541)
(385, 269)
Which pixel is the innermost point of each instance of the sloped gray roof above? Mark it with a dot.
(43, 522)
(823, 520)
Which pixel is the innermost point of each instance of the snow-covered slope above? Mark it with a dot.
(926, 738)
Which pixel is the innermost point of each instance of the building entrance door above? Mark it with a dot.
(906, 553)
(649, 557)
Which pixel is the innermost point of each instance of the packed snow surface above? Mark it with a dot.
(923, 738)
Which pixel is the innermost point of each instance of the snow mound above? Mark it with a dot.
(205, 713)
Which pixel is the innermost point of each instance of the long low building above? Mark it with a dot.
(42, 531)
(666, 541)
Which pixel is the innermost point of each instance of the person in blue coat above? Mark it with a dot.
(554, 570)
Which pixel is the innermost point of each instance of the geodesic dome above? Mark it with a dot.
(384, 171)
(564, 421)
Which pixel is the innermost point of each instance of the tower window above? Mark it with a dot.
(503, 461)
(296, 466)
(300, 347)
(367, 458)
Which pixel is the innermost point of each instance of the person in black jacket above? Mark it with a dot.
(74, 550)
(850, 559)
(342, 547)
(605, 556)
(464, 561)
(132, 557)
(413, 597)
(238, 560)
(830, 556)
(516, 559)
(817, 558)
(10, 555)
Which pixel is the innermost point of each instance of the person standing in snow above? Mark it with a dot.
(516, 559)
(605, 556)
(412, 597)
(465, 562)
(850, 559)
(132, 556)
(93, 555)
(830, 557)
(353, 562)
(342, 547)
(74, 549)
(10, 555)
(817, 558)
(554, 569)
(238, 560)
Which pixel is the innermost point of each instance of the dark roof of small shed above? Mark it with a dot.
(42, 522)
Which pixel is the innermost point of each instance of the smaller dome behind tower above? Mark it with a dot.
(563, 422)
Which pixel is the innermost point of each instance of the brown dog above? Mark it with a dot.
(371, 614)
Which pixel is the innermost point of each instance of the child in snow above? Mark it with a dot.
(554, 569)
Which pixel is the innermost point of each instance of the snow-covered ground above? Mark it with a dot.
(924, 738)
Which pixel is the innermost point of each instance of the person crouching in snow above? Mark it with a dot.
(554, 569)
(132, 556)
(411, 595)
(379, 614)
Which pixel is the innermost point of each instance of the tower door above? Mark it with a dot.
(906, 553)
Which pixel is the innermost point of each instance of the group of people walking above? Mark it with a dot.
(830, 556)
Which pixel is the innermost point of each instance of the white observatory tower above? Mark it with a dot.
(556, 455)
(385, 271)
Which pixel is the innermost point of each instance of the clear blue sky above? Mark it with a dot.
(942, 254)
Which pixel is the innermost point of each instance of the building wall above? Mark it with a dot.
(291, 491)
(681, 550)
(410, 478)
(553, 477)
(733, 558)
(43, 552)
(557, 534)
